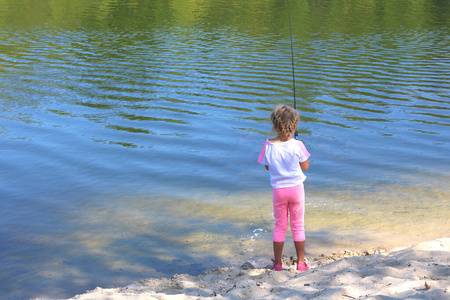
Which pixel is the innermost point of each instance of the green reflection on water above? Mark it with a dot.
(256, 16)
(144, 118)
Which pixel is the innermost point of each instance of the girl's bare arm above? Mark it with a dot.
(304, 165)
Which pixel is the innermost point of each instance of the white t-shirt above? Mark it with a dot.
(284, 160)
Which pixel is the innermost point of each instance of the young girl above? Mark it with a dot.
(286, 159)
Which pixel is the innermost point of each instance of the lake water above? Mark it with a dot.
(130, 132)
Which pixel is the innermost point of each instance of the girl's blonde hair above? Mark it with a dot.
(285, 120)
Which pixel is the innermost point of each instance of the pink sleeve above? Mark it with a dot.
(306, 154)
(263, 151)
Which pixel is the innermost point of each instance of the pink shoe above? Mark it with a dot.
(277, 267)
(302, 267)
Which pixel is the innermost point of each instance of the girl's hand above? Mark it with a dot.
(267, 167)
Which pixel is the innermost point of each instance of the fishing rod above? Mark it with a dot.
(293, 70)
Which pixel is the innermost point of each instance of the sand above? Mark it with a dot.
(421, 271)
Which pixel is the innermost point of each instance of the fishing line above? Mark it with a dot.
(293, 70)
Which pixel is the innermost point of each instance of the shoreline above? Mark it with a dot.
(421, 270)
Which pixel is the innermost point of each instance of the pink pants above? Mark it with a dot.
(290, 201)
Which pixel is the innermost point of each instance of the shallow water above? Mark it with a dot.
(130, 133)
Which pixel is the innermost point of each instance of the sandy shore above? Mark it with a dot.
(421, 271)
